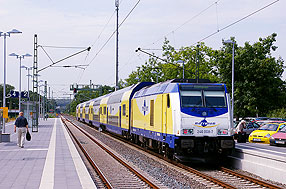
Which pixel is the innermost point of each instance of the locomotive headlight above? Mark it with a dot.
(267, 136)
(185, 131)
(188, 131)
(222, 131)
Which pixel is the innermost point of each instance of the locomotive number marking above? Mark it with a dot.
(205, 131)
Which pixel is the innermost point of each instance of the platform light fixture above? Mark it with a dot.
(5, 35)
(20, 57)
(28, 83)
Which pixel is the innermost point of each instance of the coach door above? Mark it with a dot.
(99, 114)
(165, 105)
(106, 115)
(119, 122)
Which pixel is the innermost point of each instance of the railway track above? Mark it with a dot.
(220, 178)
(238, 180)
(110, 167)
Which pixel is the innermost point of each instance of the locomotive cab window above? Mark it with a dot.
(215, 99)
(191, 99)
(203, 96)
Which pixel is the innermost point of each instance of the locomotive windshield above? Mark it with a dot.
(214, 98)
(202, 96)
(191, 99)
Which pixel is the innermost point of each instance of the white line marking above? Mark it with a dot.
(47, 180)
(84, 176)
(16, 150)
(245, 147)
(37, 149)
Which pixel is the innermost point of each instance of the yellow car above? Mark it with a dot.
(263, 134)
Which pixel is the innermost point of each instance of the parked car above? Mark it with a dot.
(279, 138)
(276, 119)
(250, 126)
(263, 134)
(262, 122)
(261, 118)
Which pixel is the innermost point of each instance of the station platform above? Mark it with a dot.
(275, 150)
(49, 160)
(256, 158)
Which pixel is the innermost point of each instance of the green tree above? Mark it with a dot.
(170, 69)
(258, 84)
(11, 103)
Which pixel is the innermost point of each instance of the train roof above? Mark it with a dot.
(170, 86)
(116, 96)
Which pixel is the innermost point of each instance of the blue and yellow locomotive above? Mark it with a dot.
(177, 117)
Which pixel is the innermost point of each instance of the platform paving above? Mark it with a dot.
(49, 160)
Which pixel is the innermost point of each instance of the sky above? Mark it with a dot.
(73, 23)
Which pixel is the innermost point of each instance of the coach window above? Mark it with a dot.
(100, 110)
(152, 113)
(124, 110)
(104, 110)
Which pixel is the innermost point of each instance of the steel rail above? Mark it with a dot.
(189, 169)
(245, 177)
(139, 175)
(93, 164)
(203, 175)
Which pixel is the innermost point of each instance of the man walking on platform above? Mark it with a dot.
(22, 124)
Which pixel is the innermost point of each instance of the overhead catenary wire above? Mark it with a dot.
(61, 47)
(216, 17)
(69, 66)
(229, 25)
(46, 53)
(186, 22)
(103, 29)
(233, 23)
(87, 49)
(114, 32)
(106, 42)
(225, 27)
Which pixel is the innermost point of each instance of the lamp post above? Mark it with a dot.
(20, 75)
(229, 41)
(28, 82)
(182, 62)
(5, 34)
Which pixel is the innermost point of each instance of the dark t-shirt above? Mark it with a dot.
(21, 122)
